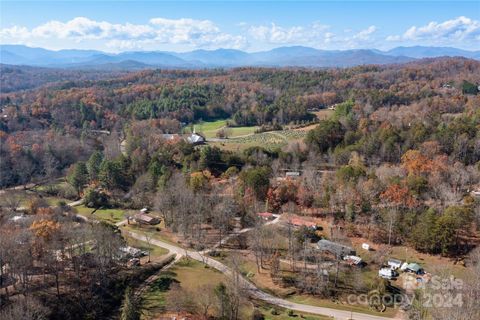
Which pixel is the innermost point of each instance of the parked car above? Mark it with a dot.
(134, 262)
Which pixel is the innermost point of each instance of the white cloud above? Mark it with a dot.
(190, 32)
(14, 32)
(276, 34)
(186, 34)
(447, 32)
(82, 28)
(315, 35)
(366, 34)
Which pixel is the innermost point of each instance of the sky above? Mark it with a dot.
(116, 26)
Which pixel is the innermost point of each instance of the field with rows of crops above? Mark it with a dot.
(268, 140)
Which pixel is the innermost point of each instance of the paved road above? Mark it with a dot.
(21, 187)
(254, 291)
(71, 204)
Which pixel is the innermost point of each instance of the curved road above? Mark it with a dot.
(254, 291)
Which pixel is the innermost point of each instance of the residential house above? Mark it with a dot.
(265, 215)
(299, 222)
(143, 218)
(195, 139)
(337, 249)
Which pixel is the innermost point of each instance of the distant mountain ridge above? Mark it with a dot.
(295, 56)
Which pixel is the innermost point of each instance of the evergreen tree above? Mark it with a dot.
(79, 176)
(93, 165)
(130, 308)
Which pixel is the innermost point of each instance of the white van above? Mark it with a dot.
(387, 273)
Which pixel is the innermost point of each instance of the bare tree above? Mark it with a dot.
(205, 299)
(27, 308)
(148, 239)
(11, 199)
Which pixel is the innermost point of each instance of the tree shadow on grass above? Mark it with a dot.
(163, 283)
(154, 300)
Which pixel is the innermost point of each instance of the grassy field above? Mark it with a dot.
(209, 129)
(323, 114)
(107, 215)
(189, 274)
(272, 313)
(240, 131)
(24, 197)
(192, 275)
(152, 230)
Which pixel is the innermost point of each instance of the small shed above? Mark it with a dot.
(337, 249)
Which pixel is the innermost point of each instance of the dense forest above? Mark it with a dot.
(387, 110)
(16, 78)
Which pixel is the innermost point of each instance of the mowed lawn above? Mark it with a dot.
(241, 131)
(192, 276)
(107, 215)
(189, 274)
(209, 129)
(272, 313)
(323, 114)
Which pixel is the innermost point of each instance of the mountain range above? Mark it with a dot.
(297, 56)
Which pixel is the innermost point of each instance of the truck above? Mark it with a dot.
(387, 273)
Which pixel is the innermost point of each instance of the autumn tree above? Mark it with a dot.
(397, 198)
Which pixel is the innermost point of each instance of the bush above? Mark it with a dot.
(469, 88)
(68, 192)
(62, 203)
(231, 171)
(52, 190)
(95, 199)
(291, 313)
(275, 312)
(257, 315)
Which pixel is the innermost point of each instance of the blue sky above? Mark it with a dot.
(248, 25)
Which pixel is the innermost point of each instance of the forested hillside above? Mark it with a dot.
(390, 109)
(16, 78)
(385, 155)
